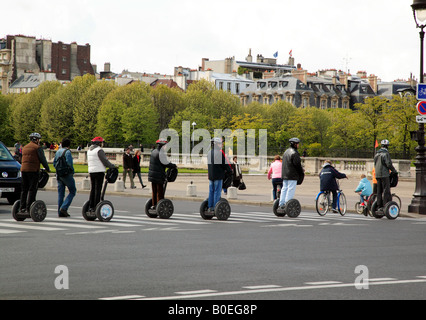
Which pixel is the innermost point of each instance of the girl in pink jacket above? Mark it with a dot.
(274, 173)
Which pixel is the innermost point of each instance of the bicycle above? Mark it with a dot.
(323, 202)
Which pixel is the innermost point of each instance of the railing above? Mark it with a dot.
(252, 164)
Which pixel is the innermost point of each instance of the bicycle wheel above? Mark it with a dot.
(342, 204)
(322, 203)
(358, 208)
(397, 200)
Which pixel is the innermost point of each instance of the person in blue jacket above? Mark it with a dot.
(328, 176)
(364, 189)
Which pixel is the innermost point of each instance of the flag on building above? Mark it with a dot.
(291, 52)
(276, 54)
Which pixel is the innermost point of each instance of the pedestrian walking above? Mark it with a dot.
(65, 179)
(128, 168)
(137, 167)
(274, 173)
(32, 156)
(292, 172)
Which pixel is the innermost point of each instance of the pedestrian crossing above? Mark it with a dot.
(132, 222)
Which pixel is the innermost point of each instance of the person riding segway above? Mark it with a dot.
(96, 206)
(158, 206)
(292, 174)
(387, 177)
(28, 206)
(220, 176)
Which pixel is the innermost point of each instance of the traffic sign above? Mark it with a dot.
(421, 119)
(421, 107)
(421, 91)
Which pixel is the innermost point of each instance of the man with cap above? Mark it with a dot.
(292, 172)
(97, 164)
(32, 156)
(383, 166)
(217, 165)
(157, 171)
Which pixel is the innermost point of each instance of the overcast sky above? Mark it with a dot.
(376, 36)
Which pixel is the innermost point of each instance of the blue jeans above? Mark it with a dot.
(66, 181)
(288, 190)
(215, 189)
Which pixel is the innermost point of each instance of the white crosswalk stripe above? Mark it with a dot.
(127, 220)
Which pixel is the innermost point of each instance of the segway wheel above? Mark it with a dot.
(374, 211)
(85, 212)
(222, 210)
(15, 211)
(204, 210)
(293, 208)
(276, 209)
(148, 211)
(391, 210)
(104, 211)
(165, 208)
(38, 211)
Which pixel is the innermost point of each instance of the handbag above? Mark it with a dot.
(242, 186)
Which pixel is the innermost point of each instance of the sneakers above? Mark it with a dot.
(63, 213)
(335, 211)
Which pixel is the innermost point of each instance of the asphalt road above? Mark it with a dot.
(253, 256)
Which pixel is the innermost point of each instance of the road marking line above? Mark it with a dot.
(122, 297)
(311, 287)
(28, 225)
(5, 231)
(381, 279)
(268, 286)
(318, 283)
(196, 291)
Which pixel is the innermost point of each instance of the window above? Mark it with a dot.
(221, 85)
(228, 86)
(64, 59)
(237, 88)
(261, 85)
(64, 71)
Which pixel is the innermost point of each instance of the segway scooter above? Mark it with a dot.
(104, 210)
(222, 209)
(38, 210)
(391, 209)
(292, 207)
(164, 208)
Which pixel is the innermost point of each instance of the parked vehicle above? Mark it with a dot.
(10, 175)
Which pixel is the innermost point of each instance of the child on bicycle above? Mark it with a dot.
(364, 189)
(328, 176)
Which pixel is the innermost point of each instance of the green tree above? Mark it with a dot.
(6, 127)
(86, 112)
(167, 102)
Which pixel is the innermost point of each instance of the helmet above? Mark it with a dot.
(385, 143)
(216, 140)
(98, 139)
(161, 142)
(35, 136)
(294, 140)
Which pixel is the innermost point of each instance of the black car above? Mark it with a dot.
(10, 175)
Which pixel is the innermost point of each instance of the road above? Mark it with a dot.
(252, 256)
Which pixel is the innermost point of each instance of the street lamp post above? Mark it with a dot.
(418, 203)
(193, 126)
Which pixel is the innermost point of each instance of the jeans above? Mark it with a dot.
(130, 173)
(287, 192)
(69, 182)
(215, 189)
(275, 183)
(383, 191)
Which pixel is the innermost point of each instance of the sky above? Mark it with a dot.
(376, 36)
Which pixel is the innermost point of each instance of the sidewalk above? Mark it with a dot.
(258, 192)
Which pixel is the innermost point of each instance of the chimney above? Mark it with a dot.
(107, 67)
(301, 75)
(203, 63)
(372, 79)
(343, 78)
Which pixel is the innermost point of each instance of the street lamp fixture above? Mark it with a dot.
(193, 126)
(418, 203)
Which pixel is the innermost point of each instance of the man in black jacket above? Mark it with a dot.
(292, 172)
(217, 165)
(328, 176)
(128, 168)
(157, 171)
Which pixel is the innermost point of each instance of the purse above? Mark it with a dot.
(242, 186)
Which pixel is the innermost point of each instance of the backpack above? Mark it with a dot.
(62, 168)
